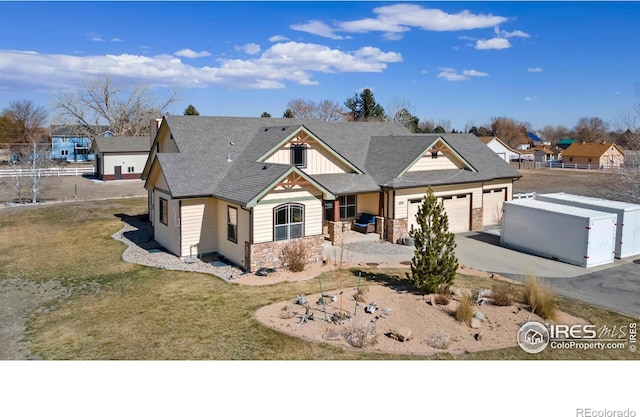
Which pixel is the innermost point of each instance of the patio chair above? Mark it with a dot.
(366, 223)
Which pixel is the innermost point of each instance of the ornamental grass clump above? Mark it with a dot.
(295, 255)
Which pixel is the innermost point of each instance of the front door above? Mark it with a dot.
(118, 172)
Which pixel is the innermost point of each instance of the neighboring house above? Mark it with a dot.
(539, 154)
(120, 157)
(536, 141)
(500, 148)
(601, 155)
(68, 145)
(564, 143)
(244, 187)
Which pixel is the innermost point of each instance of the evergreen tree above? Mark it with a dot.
(191, 111)
(265, 114)
(434, 263)
(288, 114)
(363, 107)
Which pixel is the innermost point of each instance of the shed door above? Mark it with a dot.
(492, 201)
(458, 209)
(118, 172)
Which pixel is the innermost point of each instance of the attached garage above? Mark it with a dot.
(457, 207)
(492, 201)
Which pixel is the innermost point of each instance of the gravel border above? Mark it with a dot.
(142, 249)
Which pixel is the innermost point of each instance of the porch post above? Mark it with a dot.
(336, 210)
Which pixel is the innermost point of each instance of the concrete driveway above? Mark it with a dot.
(615, 286)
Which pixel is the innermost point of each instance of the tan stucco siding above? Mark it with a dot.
(319, 161)
(403, 196)
(233, 251)
(167, 235)
(428, 163)
(263, 212)
(368, 203)
(137, 161)
(199, 226)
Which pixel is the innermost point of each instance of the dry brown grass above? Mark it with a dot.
(502, 294)
(464, 311)
(540, 298)
(295, 255)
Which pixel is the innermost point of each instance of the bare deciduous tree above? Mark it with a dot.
(325, 110)
(126, 110)
(591, 130)
(511, 132)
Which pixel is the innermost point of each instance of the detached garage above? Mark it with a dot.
(627, 218)
(120, 157)
(570, 234)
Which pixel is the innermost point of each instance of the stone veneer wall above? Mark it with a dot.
(335, 233)
(380, 226)
(268, 254)
(397, 230)
(476, 219)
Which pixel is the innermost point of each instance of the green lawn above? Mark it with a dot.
(129, 311)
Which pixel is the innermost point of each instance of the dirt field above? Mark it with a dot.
(593, 184)
(78, 188)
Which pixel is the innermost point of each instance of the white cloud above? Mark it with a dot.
(515, 33)
(451, 74)
(530, 98)
(474, 73)
(117, 40)
(394, 20)
(278, 38)
(250, 48)
(317, 27)
(534, 69)
(494, 43)
(188, 53)
(281, 63)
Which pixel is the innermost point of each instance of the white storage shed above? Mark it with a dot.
(569, 234)
(627, 222)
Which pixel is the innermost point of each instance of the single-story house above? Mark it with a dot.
(539, 154)
(120, 157)
(500, 148)
(564, 143)
(601, 155)
(244, 187)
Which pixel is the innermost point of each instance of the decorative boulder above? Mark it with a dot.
(480, 316)
(475, 323)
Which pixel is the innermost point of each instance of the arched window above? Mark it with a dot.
(288, 221)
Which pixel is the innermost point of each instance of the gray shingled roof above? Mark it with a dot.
(381, 150)
(122, 144)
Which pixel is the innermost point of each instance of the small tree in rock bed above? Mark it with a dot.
(434, 263)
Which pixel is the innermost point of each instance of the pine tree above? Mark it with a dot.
(191, 111)
(434, 263)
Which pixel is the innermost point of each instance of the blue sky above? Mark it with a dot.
(545, 63)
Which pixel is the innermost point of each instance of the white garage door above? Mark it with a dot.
(492, 201)
(457, 207)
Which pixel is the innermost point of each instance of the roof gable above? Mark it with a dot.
(439, 146)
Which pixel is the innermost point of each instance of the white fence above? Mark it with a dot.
(47, 172)
(577, 167)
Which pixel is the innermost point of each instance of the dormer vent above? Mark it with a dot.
(228, 157)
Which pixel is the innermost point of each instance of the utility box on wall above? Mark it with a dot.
(569, 234)
(627, 220)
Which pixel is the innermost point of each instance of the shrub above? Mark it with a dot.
(439, 340)
(295, 255)
(440, 299)
(502, 294)
(540, 298)
(464, 312)
(361, 334)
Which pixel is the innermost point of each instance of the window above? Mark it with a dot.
(232, 224)
(299, 155)
(164, 212)
(130, 169)
(434, 155)
(570, 159)
(64, 152)
(288, 222)
(347, 206)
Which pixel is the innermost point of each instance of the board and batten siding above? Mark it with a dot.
(428, 163)
(167, 235)
(403, 196)
(231, 250)
(263, 212)
(199, 226)
(319, 161)
(137, 161)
